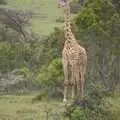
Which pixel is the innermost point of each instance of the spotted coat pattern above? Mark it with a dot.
(73, 55)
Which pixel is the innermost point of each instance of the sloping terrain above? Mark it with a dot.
(22, 108)
(45, 13)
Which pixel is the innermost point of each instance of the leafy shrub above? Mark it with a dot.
(98, 23)
(50, 77)
(92, 107)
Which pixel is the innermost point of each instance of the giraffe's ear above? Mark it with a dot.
(62, 3)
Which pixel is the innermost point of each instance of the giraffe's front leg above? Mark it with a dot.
(82, 72)
(66, 82)
(78, 80)
(82, 85)
(82, 82)
(73, 81)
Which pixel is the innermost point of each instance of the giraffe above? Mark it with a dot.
(73, 55)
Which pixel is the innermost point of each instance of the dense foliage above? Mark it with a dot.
(93, 107)
(98, 25)
(31, 62)
(38, 58)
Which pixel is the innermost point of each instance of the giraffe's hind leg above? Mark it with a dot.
(82, 74)
(82, 85)
(76, 85)
(78, 80)
(73, 80)
(66, 82)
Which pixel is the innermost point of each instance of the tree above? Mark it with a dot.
(17, 20)
(99, 26)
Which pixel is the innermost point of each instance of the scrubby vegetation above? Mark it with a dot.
(30, 61)
(95, 106)
(23, 108)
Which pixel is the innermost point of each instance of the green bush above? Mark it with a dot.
(93, 107)
(78, 114)
(98, 27)
(50, 77)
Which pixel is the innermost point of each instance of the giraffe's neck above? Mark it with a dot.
(69, 36)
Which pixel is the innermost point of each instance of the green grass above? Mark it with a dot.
(22, 108)
(47, 8)
(115, 106)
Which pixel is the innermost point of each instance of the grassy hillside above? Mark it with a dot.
(22, 108)
(46, 10)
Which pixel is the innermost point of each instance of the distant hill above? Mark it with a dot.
(45, 13)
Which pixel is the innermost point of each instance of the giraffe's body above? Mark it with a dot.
(75, 56)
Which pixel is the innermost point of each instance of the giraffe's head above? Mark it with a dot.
(62, 3)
